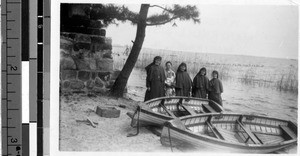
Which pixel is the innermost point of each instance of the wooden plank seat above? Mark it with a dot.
(287, 133)
(209, 108)
(269, 139)
(214, 130)
(223, 134)
(251, 135)
(166, 109)
(188, 109)
(243, 137)
(229, 135)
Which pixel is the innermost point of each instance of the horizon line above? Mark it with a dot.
(119, 45)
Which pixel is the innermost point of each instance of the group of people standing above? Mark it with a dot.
(165, 82)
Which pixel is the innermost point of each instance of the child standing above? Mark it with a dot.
(170, 79)
(216, 88)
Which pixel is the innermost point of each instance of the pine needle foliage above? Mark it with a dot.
(111, 13)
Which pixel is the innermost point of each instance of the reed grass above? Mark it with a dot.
(288, 82)
(249, 74)
(282, 82)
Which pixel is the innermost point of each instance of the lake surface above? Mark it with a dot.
(239, 98)
(273, 72)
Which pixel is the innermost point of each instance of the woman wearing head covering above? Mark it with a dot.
(170, 79)
(216, 88)
(183, 81)
(155, 80)
(200, 84)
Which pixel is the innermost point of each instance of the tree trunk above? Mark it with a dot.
(121, 81)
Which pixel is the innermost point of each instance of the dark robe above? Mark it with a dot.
(200, 86)
(155, 81)
(183, 84)
(147, 94)
(216, 88)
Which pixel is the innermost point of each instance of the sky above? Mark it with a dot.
(257, 30)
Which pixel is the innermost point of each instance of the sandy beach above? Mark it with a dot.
(110, 135)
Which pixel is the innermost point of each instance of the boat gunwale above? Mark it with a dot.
(156, 114)
(184, 97)
(236, 114)
(176, 97)
(150, 112)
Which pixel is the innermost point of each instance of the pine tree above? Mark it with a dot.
(111, 13)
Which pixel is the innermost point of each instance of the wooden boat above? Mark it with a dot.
(232, 133)
(157, 111)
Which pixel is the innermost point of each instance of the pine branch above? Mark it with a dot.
(131, 19)
(165, 9)
(125, 14)
(177, 12)
(163, 22)
(110, 13)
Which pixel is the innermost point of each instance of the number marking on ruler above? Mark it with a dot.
(11, 78)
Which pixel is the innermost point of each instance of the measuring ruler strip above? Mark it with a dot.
(40, 78)
(46, 106)
(25, 77)
(11, 78)
(33, 61)
(37, 66)
(33, 76)
(25, 30)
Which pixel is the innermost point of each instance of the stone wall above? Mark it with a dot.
(86, 63)
(86, 81)
(86, 52)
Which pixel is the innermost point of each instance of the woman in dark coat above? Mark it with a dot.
(155, 80)
(216, 88)
(200, 84)
(183, 81)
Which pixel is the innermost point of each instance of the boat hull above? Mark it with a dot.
(152, 115)
(182, 137)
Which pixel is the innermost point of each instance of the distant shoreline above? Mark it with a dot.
(193, 52)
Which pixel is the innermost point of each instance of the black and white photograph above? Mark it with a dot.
(176, 77)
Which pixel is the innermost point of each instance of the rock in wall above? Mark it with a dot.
(86, 62)
(87, 52)
(85, 80)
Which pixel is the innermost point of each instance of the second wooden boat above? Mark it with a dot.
(236, 133)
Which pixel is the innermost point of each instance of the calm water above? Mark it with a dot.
(260, 100)
(239, 98)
